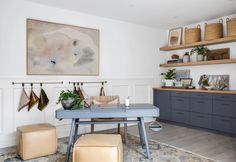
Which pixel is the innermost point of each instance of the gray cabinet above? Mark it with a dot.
(162, 101)
(201, 109)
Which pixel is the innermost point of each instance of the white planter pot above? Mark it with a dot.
(186, 58)
(194, 57)
(200, 57)
(169, 83)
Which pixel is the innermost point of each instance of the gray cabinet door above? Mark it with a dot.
(222, 124)
(225, 97)
(234, 126)
(180, 103)
(180, 94)
(201, 105)
(224, 108)
(201, 95)
(180, 116)
(162, 101)
(200, 120)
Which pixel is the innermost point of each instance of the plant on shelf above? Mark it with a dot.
(169, 77)
(201, 51)
(69, 100)
(186, 57)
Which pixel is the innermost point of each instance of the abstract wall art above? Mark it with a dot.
(59, 49)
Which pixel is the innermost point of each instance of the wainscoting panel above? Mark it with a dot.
(142, 93)
(1, 110)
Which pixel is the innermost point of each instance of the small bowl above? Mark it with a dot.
(208, 87)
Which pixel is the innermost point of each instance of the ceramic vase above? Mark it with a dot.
(169, 83)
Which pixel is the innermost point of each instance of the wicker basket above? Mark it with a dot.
(192, 35)
(231, 27)
(213, 31)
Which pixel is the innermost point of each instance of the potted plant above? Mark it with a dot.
(186, 57)
(201, 51)
(69, 100)
(169, 77)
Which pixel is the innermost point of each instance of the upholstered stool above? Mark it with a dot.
(36, 141)
(98, 148)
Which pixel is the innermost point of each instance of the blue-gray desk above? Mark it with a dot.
(137, 111)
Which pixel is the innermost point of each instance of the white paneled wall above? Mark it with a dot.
(139, 90)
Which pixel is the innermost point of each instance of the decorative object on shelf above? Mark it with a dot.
(59, 49)
(182, 74)
(192, 35)
(69, 100)
(174, 56)
(231, 27)
(213, 31)
(175, 36)
(218, 54)
(173, 61)
(215, 82)
(169, 77)
(186, 82)
(200, 51)
(186, 57)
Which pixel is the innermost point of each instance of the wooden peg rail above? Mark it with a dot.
(87, 82)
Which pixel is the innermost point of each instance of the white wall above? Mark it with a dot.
(128, 60)
(196, 71)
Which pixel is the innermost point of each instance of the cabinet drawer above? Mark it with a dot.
(180, 116)
(201, 120)
(224, 108)
(222, 124)
(180, 103)
(179, 94)
(227, 97)
(201, 105)
(201, 95)
(234, 126)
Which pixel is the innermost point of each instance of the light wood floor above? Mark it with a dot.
(206, 143)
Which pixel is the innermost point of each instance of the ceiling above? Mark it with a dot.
(156, 13)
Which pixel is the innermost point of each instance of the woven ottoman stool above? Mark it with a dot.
(36, 141)
(98, 148)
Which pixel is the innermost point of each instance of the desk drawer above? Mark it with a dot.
(201, 95)
(180, 103)
(226, 97)
(179, 94)
(200, 120)
(201, 105)
(224, 108)
(222, 124)
(180, 116)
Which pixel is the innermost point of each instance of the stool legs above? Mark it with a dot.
(71, 139)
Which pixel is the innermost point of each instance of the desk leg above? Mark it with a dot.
(76, 131)
(145, 138)
(140, 132)
(71, 138)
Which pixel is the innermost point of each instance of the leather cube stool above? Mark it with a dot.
(36, 141)
(98, 148)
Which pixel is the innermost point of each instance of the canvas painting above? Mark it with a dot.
(59, 49)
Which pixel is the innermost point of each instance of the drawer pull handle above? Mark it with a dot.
(225, 120)
(179, 100)
(200, 116)
(200, 102)
(200, 95)
(225, 104)
(179, 113)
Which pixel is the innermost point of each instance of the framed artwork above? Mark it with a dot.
(185, 82)
(175, 36)
(60, 49)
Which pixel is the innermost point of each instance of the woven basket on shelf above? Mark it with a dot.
(192, 35)
(231, 27)
(213, 31)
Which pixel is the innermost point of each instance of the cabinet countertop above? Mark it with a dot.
(196, 90)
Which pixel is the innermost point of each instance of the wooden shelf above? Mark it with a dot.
(212, 62)
(202, 43)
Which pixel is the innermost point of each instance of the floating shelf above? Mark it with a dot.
(212, 62)
(201, 43)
